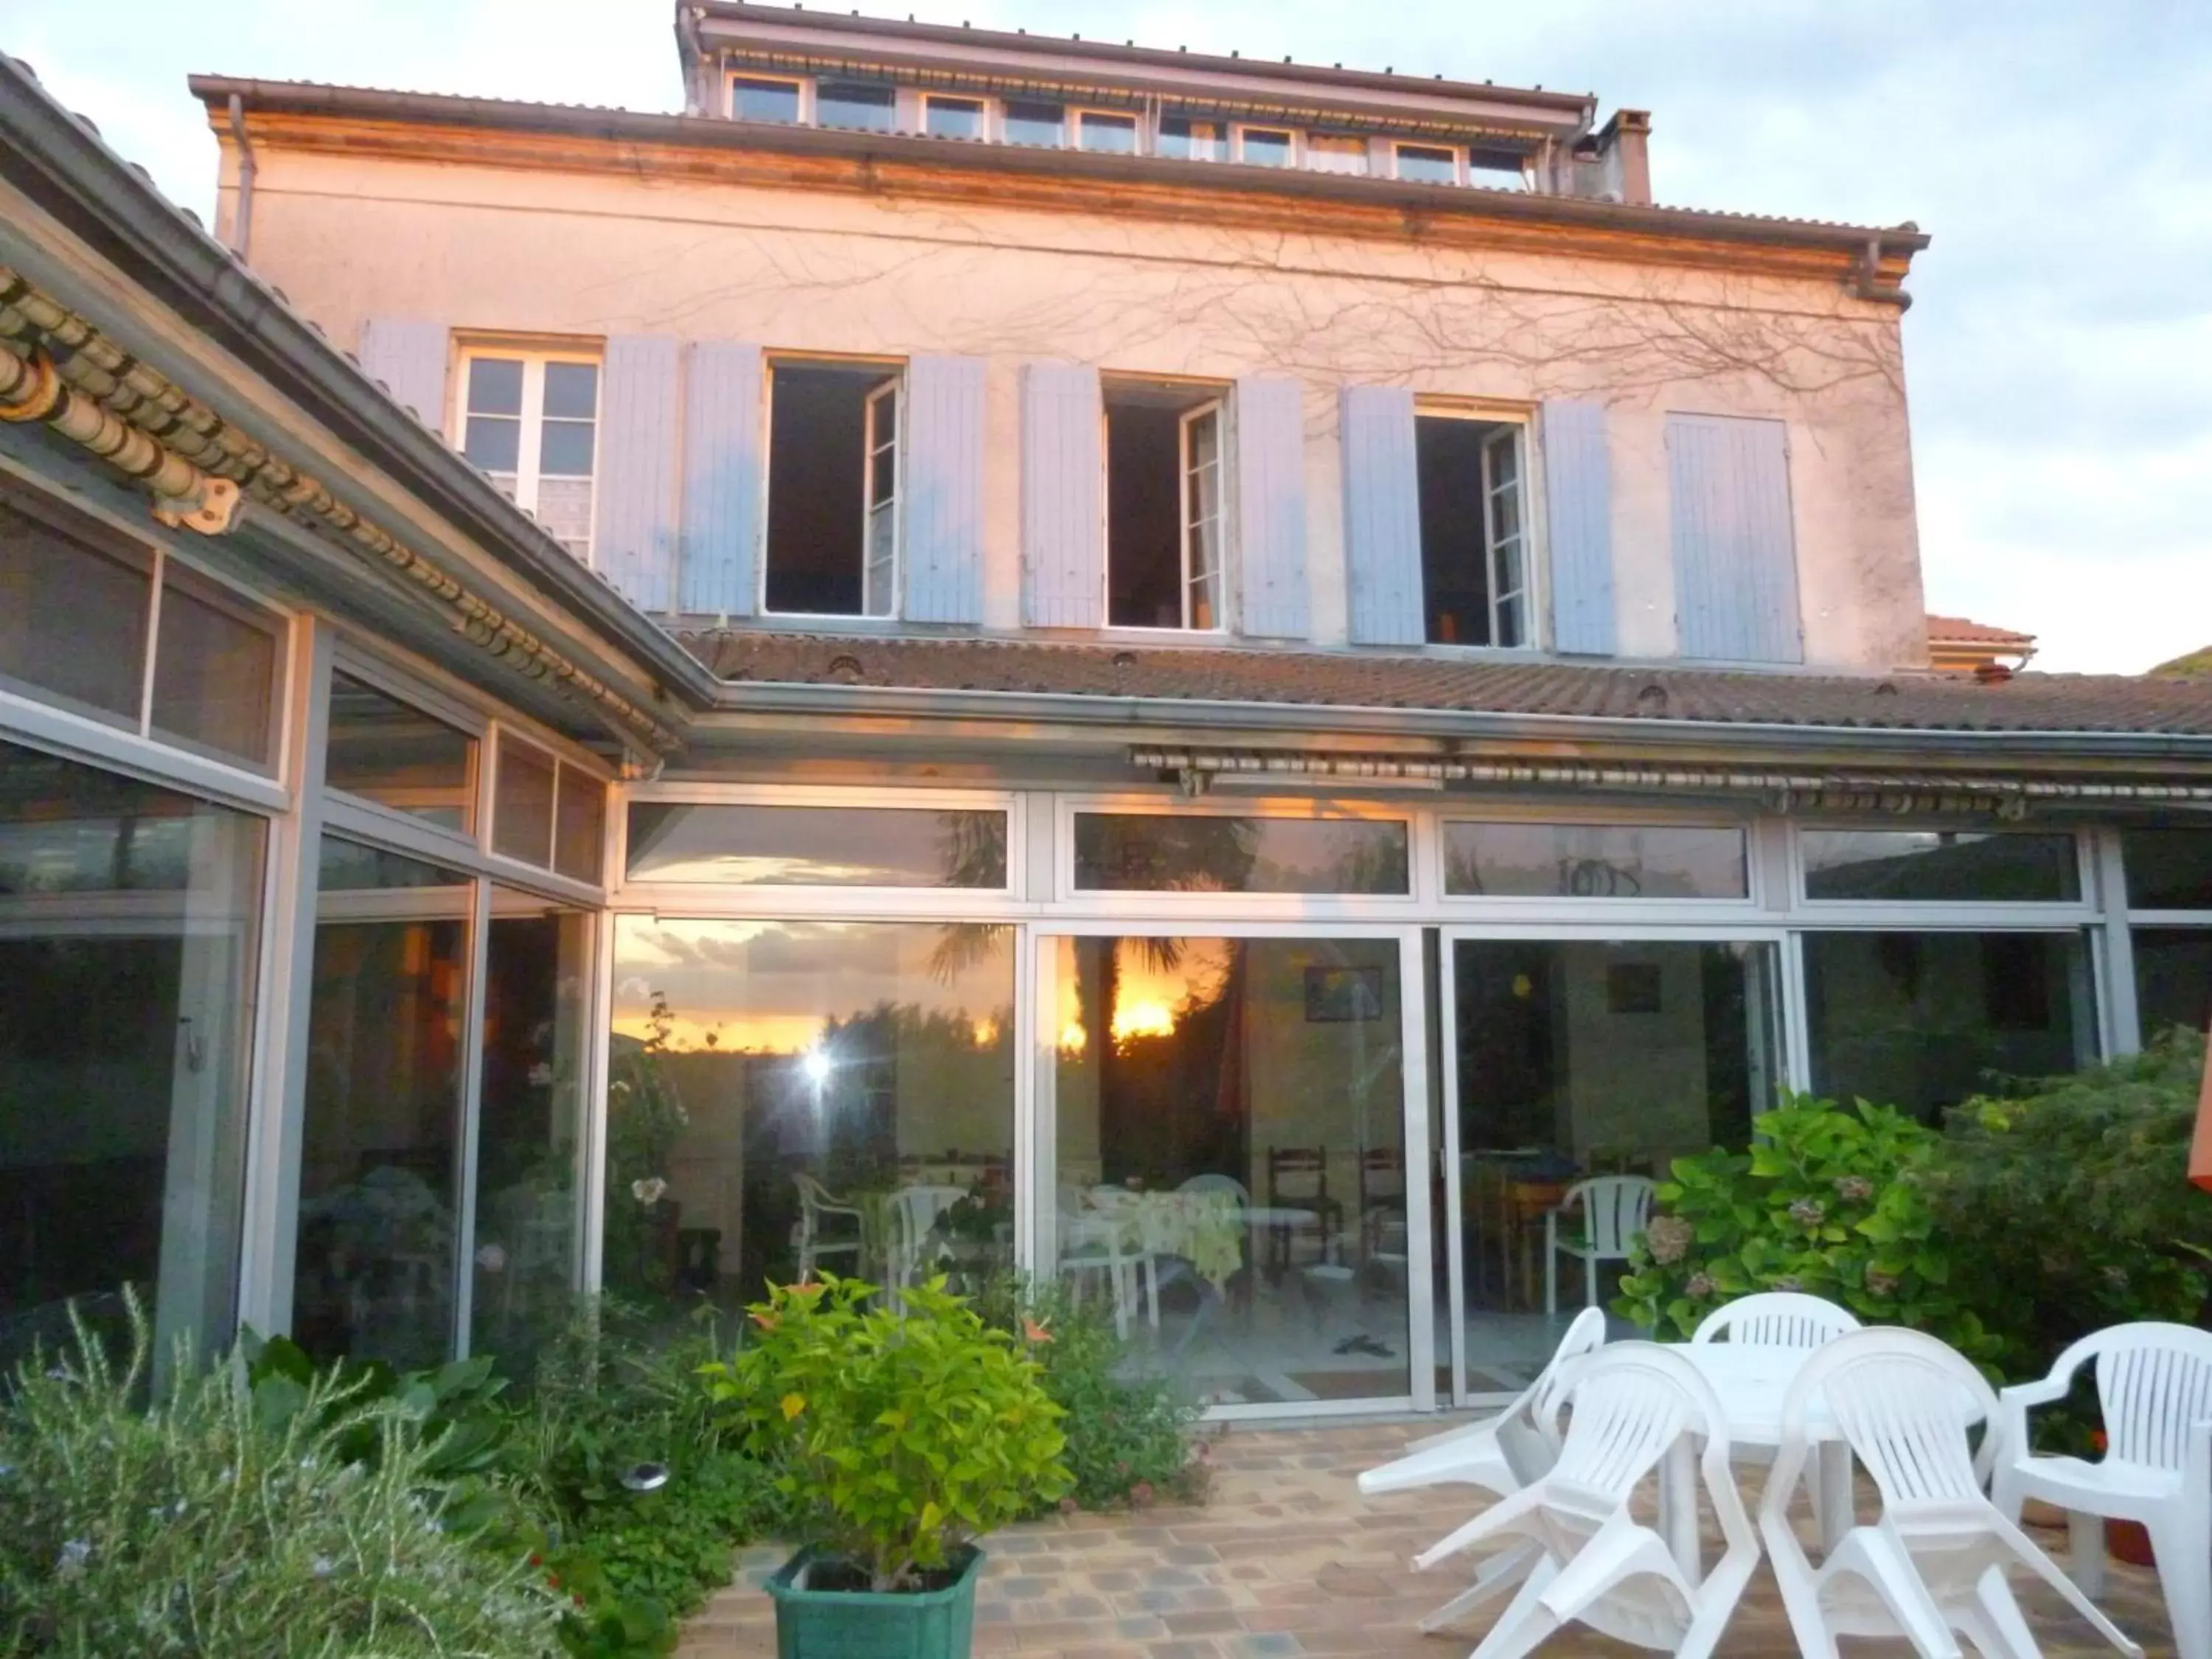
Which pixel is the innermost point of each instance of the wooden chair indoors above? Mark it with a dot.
(1297, 1179)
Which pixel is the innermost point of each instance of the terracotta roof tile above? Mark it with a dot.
(2072, 703)
(1959, 630)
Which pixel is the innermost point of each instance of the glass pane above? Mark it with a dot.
(1939, 864)
(2173, 978)
(564, 449)
(374, 1274)
(954, 118)
(1336, 152)
(522, 803)
(1265, 149)
(215, 670)
(495, 385)
(1589, 1059)
(764, 100)
(583, 816)
(1036, 123)
(848, 104)
(2168, 869)
(537, 963)
(572, 391)
(816, 846)
(1422, 165)
(1230, 1120)
(791, 1097)
(1594, 861)
(1196, 853)
(126, 1009)
(1116, 135)
(1187, 140)
(392, 753)
(73, 616)
(493, 443)
(564, 507)
(1922, 1021)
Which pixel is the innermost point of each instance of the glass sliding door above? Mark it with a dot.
(1225, 1158)
(1573, 1059)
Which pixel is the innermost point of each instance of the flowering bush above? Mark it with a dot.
(905, 1432)
(230, 1518)
(644, 1121)
(1831, 1201)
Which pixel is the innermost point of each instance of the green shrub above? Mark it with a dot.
(1832, 1202)
(229, 1518)
(2068, 1203)
(1128, 1430)
(905, 1432)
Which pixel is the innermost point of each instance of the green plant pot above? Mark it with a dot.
(811, 1624)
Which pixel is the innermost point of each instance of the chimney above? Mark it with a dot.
(1624, 148)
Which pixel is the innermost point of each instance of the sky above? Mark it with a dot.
(2058, 353)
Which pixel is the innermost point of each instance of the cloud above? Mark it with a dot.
(2059, 354)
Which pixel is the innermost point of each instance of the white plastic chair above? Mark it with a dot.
(1594, 1563)
(1777, 1319)
(913, 1213)
(2155, 1382)
(816, 1206)
(1096, 1242)
(1934, 1564)
(1614, 1209)
(1502, 1453)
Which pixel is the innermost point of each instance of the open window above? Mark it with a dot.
(833, 484)
(1336, 152)
(1475, 557)
(1163, 528)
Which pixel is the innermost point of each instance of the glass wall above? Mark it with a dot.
(788, 1098)
(1229, 1171)
(1923, 1020)
(1585, 1058)
(129, 919)
(529, 1126)
(377, 1232)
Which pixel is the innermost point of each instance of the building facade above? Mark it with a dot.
(1209, 679)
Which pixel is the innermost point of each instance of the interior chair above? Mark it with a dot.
(823, 1232)
(1932, 1568)
(1613, 1209)
(1590, 1559)
(1297, 1179)
(2154, 1384)
(1098, 1245)
(912, 1217)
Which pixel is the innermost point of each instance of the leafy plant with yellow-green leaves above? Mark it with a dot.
(905, 1433)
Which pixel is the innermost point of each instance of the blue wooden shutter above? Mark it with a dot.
(1271, 509)
(1578, 518)
(634, 539)
(943, 490)
(1063, 525)
(1381, 516)
(409, 355)
(1735, 554)
(722, 473)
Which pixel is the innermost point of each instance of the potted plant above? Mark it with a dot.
(904, 1436)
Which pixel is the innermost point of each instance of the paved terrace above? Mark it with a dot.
(1287, 1558)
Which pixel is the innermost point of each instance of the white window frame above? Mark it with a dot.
(1222, 141)
(1291, 164)
(1000, 112)
(1216, 406)
(1078, 113)
(1531, 591)
(1209, 529)
(801, 84)
(1307, 152)
(1920, 915)
(987, 113)
(1594, 911)
(811, 99)
(1518, 438)
(879, 576)
(530, 444)
(895, 381)
(1399, 146)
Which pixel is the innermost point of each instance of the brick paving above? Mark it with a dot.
(1287, 1559)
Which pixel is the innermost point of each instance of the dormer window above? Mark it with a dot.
(754, 98)
(1266, 146)
(1336, 152)
(861, 104)
(1102, 130)
(952, 118)
(1043, 125)
(1187, 140)
(1497, 169)
(1427, 164)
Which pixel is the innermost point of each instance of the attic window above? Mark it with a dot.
(752, 99)
(1163, 522)
(1336, 152)
(1043, 125)
(833, 479)
(1428, 164)
(1187, 140)
(1098, 129)
(1497, 169)
(952, 118)
(854, 103)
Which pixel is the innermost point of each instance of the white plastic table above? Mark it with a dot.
(1751, 1381)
